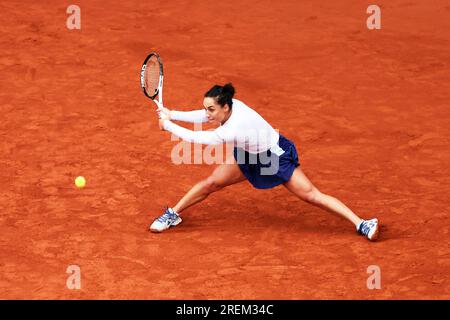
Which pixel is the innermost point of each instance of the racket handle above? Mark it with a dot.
(159, 105)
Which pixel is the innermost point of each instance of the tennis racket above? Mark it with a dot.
(152, 78)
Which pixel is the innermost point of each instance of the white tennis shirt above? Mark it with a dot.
(245, 128)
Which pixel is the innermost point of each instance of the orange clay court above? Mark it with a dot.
(367, 109)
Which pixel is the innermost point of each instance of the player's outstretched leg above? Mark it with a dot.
(224, 175)
(300, 185)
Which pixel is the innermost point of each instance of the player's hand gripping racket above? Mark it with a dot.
(152, 78)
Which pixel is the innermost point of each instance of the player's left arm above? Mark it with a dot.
(203, 137)
(194, 116)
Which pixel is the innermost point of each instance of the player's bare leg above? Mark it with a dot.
(300, 185)
(224, 175)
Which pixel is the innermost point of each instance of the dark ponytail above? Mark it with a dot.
(222, 94)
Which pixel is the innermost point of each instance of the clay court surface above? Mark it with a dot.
(367, 109)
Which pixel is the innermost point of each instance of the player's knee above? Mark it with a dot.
(312, 196)
(211, 184)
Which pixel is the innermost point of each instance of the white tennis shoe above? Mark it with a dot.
(369, 228)
(168, 219)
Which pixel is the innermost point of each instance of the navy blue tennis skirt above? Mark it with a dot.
(270, 168)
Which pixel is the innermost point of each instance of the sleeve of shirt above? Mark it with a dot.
(203, 137)
(189, 116)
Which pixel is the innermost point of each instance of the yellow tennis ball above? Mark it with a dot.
(80, 182)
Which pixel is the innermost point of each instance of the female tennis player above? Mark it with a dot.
(261, 155)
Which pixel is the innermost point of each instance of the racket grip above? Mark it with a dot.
(159, 106)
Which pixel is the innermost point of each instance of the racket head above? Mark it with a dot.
(152, 76)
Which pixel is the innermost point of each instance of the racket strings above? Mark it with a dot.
(152, 76)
